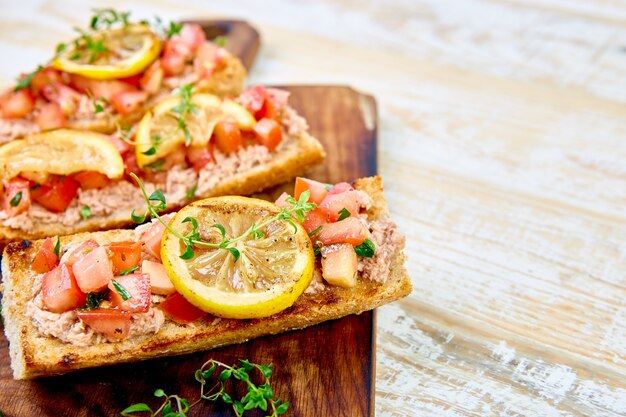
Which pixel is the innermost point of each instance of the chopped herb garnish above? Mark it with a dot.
(121, 290)
(155, 166)
(299, 210)
(317, 250)
(343, 213)
(366, 249)
(128, 271)
(85, 212)
(182, 110)
(24, 82)
(315, 231)
(105, 18)
(15, 201)
(192, 192)
(57, 247)
(94, 299)
(220, 41)
(260, 397)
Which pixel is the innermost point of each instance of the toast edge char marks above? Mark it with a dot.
(33, 355)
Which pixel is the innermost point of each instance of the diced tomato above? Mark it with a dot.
(281, 201)
(153, 78)
(130, 164)
(125, 255)
(349, 230)
(57, 194)
(313, 220)
(178, 309)
(160, 282)
(105, 89)
(173, 64)
(129, 101)
(253, 98)
(333, 204)
(60, 291)
(176, 157)
(206, 60)
(138, 287)
(227, 136)
(339, 265)
(340, 187)
(91, 179)
(94, 271)
(79, 252)
(151, 239)
(46, 259)
(67, 98)
(43, 78)
(318, 189)
(16, 196)
(192, 35)
(199, 156)
(269, 110)
(113, 323)
(277, 96)
(50, 116)
(269, 133)
(134, 80)
(18, 104)
(121, 146)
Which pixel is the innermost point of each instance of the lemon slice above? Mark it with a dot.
(123, 52)
(270, 274)
(61, 152)
(159, 132)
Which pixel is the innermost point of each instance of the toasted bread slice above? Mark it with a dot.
(298, 155)
(34, 355)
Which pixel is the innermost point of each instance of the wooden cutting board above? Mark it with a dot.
(324, 370)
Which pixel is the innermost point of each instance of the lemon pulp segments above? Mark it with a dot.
(61, 152)
(270, 274)
(128, 51)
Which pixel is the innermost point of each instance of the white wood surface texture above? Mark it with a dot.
(503, 152)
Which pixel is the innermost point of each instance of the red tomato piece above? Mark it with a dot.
(318, 189)
(173, 63)
(113, 323)
(105, 89)
(206, 60)
(333, 204)
(79, 252)
(227, 136)
(151, 239)
(125, 255)
(340, 187)
(129, 101)
(268, 133)
(178, 309)
(60, 291)
(199, 156)
(253, 98)
(94, 271)
(16, 196)
(281, 201)
(191, 35)
(138, 286)
(50, 116)
(91, 179)
(133, 80)
(121, 146)
(43, 78)
(57, 194)
(130, 165)
(67, 98)
(160, 282)
(349, 230)
(18, 104)
(152, 79)
(339, 265)
(313, 220)
(46, 259)
(269, 110)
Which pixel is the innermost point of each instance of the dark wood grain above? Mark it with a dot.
(325, 370)
(243, 40)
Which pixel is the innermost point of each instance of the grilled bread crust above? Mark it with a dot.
(34, 355)
(295, 158)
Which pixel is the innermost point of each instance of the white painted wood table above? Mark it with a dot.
(503, 151)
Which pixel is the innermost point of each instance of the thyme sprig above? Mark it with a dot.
(156, 203)
(182, 110)
(257, 397)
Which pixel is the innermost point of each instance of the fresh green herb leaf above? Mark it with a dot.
(188, 254)
(24, 82)
(317, 250)
(94, 299)
(220, 41)
(343, 213)
(173, 29)
(315, 231)
(121, 290)
(57, 247)
(129, 270)
(106, 18)
(192, 192)
(156, 165)
(225, 374)
(136, 408)
(85, 212)
(158, 196)
(366, 249)
(150, 151)
(159, 393)
(136, 218)
(15, 201)
(220, 228)
(234, 252)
